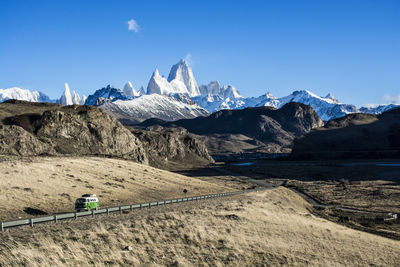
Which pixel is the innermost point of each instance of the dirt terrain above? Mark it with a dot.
(271, 227)
(370, 188)
(39, 185)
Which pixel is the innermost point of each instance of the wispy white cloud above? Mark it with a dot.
(133, 26)
(391, 99)
(188, 59)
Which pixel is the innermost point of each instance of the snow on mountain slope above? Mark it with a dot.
(141, 91)
(182, 73)
(66, 98)
(267, 100)
(375, 110)
(213, 88)
(214, 97)
(22, 94)
(326, 107)
(76, 99)
(152, 106)
(108, 93)
(228, 91)
(160, 85)
(129, 90)
(214, 103)
(229, 98)
(181, 86)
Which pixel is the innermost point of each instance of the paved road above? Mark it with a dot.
(314, 202)
(262, 183)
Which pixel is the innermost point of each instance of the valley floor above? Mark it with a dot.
(272, 227)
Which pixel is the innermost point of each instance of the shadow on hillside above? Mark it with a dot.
(305, 170)
(34, 212)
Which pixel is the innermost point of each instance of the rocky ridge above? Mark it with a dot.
(275, 128)
(33, 129)
(353, 136)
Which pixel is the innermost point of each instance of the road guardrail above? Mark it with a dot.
(117, 209)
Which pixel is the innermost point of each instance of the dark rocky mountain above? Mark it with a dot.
(353, 136)
(275, 128)
(169, 148)
(105, 94)
(32, 129)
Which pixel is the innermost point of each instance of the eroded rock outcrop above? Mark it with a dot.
(33, 129)
(165, 146)
(72, 130)
(14, 140)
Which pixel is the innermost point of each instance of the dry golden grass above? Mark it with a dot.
(264, 228)
(52, 184)
(373, 195)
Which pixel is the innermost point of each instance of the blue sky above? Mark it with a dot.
(349, 48)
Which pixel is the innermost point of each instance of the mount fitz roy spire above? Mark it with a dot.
(66, 98)
(181, 89)
(183, 73)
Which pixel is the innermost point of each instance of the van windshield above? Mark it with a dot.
(80, 200)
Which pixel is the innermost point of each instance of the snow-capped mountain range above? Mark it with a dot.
(378, 109)
(22, 94)
(158, 106)
(180, 97)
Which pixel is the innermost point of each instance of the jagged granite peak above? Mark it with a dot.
(141, 91)
(83, 100)
(22, 94)
(181, 73)
(159, 85)
(108, 93)
(228, 91)
(330, 96)
(129, 90)
(76, 98)
(66, 98)
(214, 98)
(213, 88)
